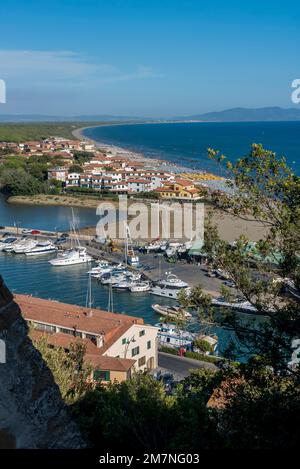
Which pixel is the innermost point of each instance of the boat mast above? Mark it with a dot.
(110, 306)
(89, 299)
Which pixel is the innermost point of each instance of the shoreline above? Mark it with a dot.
(55, 200)
(134, 155)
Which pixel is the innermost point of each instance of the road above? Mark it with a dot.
(180, 366)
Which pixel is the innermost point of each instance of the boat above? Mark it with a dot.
(112, 279)
(129, 280)
(242, 306)
(4, 244)
(172, 312)
(71, 257)
(130, 257)
(24, 246)
(42, 248)
(170, 287)
(153, 246)
(172, 336)
(172, 249)
(124, 284)
(76, 255)
(140, 287)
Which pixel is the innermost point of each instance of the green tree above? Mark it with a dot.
(69, 369)
(268, 274)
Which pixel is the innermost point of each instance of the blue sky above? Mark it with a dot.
(147, 57)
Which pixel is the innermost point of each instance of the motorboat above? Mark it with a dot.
(170, 287)
(42, 248)
(242, 306)
(172, 249)
(24, 246)
(71, 257)
(140, 287)
(153, 246)
(172, 312)
(172, 336)
(129, 280)
(4, 244)
(113, 279)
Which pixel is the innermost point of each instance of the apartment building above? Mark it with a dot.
(116, 345)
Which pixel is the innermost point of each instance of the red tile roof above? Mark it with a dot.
(112, 325)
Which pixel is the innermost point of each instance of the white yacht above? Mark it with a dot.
(129, 280)
(24, 246)
(170, 335)
(170, 287)
(72, 257)
(10, 246)
(4, 244)
(113, 279)
(42, 248)
(153, 246)
(140, 287)
(172, 312)
(241, 306)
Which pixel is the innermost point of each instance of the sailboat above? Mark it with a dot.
(76, 255)
(130, 257)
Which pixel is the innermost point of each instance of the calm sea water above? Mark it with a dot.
(45, 217)
(187, 143)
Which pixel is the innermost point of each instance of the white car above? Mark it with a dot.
(26, 231)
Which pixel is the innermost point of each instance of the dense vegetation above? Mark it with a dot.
(26, 176)
(37, 131)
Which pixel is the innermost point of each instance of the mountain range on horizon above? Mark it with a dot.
(238, 114)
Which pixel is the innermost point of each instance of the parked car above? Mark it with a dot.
(60, 241)
(35, 232)
(64, 235)
(26, 231)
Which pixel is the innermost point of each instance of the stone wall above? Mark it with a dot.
(32, 413)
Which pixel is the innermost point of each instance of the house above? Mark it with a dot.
(60, 174)
(138, 185)
(116, 345)
(179, 189)
(72, 180)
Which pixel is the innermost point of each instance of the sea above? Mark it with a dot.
(186, 143)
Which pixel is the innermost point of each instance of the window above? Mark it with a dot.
(99, 375)
(124, 341)
(149, 344)
(141, 333)
(142, 361)
(135, 351)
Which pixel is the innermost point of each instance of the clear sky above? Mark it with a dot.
(147, 57)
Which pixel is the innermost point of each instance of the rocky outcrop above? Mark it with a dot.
(32, 413)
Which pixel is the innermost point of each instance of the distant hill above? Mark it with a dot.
(81, 118)
(240, 114)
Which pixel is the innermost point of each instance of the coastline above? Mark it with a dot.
(159, 163)
(55, 200)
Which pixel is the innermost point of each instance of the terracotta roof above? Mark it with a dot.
(112, 325)
(138, 180)
(93, 354)
(109, 363)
